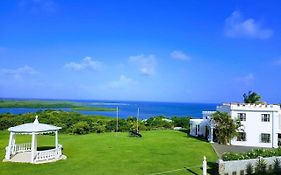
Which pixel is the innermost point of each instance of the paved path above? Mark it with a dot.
(220, 149)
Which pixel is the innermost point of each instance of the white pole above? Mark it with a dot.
(204, 166)
(33, 147)
(57, 140)
(138, 120)
(57, 144)
(117, 113)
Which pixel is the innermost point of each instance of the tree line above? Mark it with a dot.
(76, 123)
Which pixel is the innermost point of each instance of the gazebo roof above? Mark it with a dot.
(33, 127)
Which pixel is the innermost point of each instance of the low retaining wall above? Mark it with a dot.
(238, 167)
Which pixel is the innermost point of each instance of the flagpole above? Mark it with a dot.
(138, 120)
(117, 113)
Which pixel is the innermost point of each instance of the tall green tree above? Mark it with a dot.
(252, 97)
(226, 127)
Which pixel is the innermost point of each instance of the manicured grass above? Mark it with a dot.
(108, 154)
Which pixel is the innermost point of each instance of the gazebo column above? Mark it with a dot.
(33, 147)
(14, 140)
(10, 146)
(57, 144)
(57, 140)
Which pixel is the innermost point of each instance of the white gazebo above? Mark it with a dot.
(27, 152)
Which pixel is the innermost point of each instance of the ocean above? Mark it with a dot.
(129, 108)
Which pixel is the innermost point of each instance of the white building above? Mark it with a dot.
(261, 124)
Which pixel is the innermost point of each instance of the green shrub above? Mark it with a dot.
(181, 122)
(277, 166)
(231, 156)
(249, 169)
(158, 122)
(68, 121)
(260, 166)
(98, 127)
(111, 125)
(253, 154)
(81, 128)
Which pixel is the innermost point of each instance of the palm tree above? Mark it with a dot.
(252, 97)
(226, 127)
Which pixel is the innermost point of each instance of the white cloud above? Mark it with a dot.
(122, 82)
(179, 55)
(36, 6)
(247, 79)
(238, 27)
(18, 73)
(145, 64)
(87, 64)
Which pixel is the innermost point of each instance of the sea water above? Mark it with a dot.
(129, 108)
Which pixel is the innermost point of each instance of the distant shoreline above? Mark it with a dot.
(9, 103)
(101, 100)
(108, 108)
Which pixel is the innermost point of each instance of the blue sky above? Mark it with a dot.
(184, 51)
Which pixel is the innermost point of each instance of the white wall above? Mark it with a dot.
(202, 123)
(193, 123)
(253, 126)
(238, 165)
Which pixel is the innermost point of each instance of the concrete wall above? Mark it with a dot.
(228, 167)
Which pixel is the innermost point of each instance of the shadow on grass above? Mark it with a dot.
(190, 171)
(199, 138)
(212, 169)
(43, 148)
(184, 130)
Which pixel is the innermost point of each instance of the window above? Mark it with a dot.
(265, 117)
(241, 136)
(197, 127)
(242, 116)
(265, 138)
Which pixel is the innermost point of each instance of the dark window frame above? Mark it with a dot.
(265, 117)
(265, 138)
(242, 116)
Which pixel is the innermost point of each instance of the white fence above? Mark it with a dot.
(40, 155)
(17, 148)
(48, 154)
(238, 167)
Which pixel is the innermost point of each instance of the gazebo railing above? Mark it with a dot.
(48, 154)
(17, 148)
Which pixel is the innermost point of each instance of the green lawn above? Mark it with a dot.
(110, 154)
